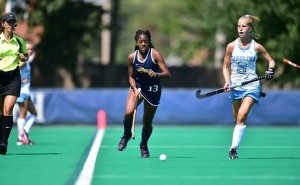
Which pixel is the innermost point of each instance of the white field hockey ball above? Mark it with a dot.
(162, 157)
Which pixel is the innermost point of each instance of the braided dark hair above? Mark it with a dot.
(141, 32)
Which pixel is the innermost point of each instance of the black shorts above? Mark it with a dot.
(10, 82)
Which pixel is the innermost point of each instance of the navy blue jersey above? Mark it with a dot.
(150, 87)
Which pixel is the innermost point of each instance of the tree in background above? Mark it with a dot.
(193, 32)
(187, 27)
(70, 36)
(71, 28)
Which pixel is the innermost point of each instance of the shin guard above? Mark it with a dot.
(146, 133)
(1, 127)
(6, 128)
(127, 122)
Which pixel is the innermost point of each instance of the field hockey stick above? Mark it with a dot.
(291, 63)
(221, 90)
(133, 119)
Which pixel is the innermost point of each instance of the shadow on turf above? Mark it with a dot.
(34, 154)
(271, 158)
(182, 157)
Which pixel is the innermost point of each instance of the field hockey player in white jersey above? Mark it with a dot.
(240, 65)
(25, 120)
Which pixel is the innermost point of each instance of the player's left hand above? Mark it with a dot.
(269, 74)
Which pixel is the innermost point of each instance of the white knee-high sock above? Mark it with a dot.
(237, 135)
(29, 122)
(20, 123)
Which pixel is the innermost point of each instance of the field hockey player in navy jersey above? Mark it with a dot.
(145, 68)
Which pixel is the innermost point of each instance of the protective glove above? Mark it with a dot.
(269, 74)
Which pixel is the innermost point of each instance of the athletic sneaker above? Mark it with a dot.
(123, 143)
(3, 149)
(233, 154)
(30, 142)
(23, 140)
(144, 151)
(20, 142)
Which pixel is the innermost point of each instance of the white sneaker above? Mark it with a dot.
(23, 140)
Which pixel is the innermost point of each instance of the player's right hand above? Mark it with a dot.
(227, 87)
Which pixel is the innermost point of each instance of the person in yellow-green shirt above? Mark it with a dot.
(12, 52)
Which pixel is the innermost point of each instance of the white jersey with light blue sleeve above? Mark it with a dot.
(25, 85)
(26, 71)
(243, 66)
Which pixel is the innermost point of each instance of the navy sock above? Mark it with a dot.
(6, 128)
(1, 124)
(146, 133)
(127, 122)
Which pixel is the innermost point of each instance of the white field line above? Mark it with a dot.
(207, 146)
(86, 175)
(196, 177)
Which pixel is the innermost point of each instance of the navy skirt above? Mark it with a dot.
(10, 82)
